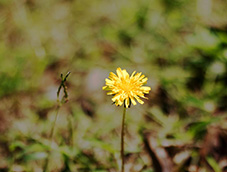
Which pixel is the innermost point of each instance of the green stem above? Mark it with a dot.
(64, 100)
(53, 126)
(122, 140)
(45, 168)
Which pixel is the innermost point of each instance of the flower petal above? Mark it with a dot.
(133, 100)
(136, 77)
(109, 82)
(138, 99)
(119, 72)
(145, 89)
(144, 80)
(132, 74)
(116, 97)
(125, 74)
(106, 88)
(140, 78)
(113, 76)
(111, 93)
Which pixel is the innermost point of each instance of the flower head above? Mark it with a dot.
(126, 89)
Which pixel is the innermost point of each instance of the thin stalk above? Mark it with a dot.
(122, 141)
(45, 168)
(53, 126)
(70, 128)
(60, 103)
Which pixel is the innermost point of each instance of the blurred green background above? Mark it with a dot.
(180, 45)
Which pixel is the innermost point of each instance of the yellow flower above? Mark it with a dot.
(126, 88)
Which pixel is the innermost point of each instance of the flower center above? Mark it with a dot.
(126, 86)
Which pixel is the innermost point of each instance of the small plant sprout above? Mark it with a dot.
(62, 85)
(126, 90)
(59, 104)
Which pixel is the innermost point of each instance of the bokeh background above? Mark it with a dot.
(180, 45)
